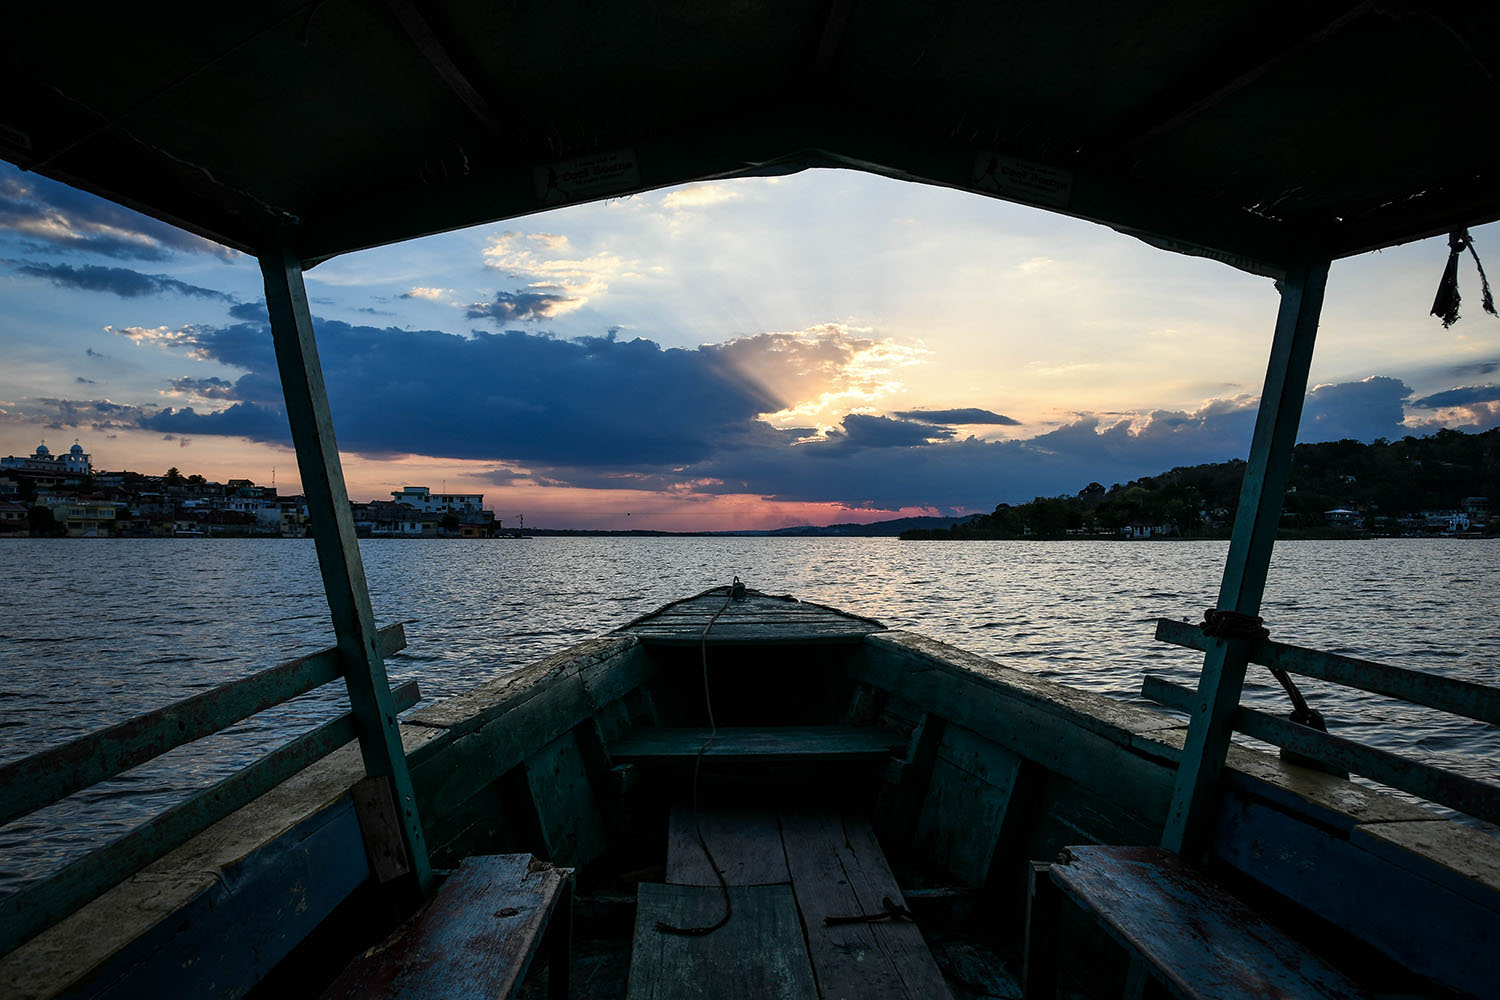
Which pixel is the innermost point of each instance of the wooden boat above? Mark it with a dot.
(951, 815)
(850, 765)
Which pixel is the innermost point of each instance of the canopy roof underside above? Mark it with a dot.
(1249, 132)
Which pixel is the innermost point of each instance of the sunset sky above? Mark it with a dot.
(831, 346)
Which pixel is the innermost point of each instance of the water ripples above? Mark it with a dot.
(92, 632)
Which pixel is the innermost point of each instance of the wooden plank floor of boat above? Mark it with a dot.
(791, 868)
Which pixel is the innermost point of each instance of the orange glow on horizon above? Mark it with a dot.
(222, 459)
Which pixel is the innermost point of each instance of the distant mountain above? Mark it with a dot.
(875, 529)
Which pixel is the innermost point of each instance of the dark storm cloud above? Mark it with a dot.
(49, 213)
(249, 312)
(977, 474)
(249, 420)
(967, 415)
(1365, 410)
(1463, 395)
(595, 402)
(208, 388)
(121, 281)
(519, 307)
(608, 413)
(865, 431)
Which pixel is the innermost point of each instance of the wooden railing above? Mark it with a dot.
(52, 775)
(1476, 798)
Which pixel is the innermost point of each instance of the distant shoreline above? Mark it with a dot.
(1285, 536)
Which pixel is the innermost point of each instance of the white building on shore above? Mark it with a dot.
(75, 463)
(428, 502)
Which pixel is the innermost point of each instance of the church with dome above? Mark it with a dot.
(75, 462)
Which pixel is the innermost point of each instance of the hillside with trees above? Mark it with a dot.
(1414, 486)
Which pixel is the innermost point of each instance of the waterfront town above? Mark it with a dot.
(49, 495)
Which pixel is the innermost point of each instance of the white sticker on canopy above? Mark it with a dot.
(586, 177)
(1022, 180)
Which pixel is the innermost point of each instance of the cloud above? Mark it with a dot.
(1471, 406)
(203, 388)
(163, 336)
(967, 415)
(85, 381)
(121, 281)
(50, 213)
(597, 401)
(1363, 411)
(698, 196)
(430, 294)
(610, 413)
(511, 307)
(90, 352)
(865, 431)
(1461, 396)
(550, 266)
(819, 374)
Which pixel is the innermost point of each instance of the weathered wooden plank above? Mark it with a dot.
(130, 924)
(938, 676)
(1085, 737)
(759, 619)
(380, 828)
(233, 932)
(477, 707)
(43, 778)
(967, 798)
(44, 903)
(1459, 858)
(900, 804)
(1446, 694)
(474, 941)
(1200, 940)
(332, 525)
(762, 743)
(571, 821)
(839, 870)
(552, 699)
(1315, 796)
(758, 955)
(1452, 942)
(745, 841)
(1468, 795)
(755, 635)
(1189, 826)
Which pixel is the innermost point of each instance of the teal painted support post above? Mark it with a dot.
(1190, 818)
(338, 548)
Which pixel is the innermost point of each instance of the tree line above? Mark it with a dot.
(1384, 482)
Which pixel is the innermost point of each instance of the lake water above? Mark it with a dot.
(93, 631)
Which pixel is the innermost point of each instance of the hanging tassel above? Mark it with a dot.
(1445, 303)
(1484, 281)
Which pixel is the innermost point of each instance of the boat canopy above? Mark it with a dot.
(1249, 132)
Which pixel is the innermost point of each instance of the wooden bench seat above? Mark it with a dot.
(811, 863)
(1195, 937)
(761, 743)
(476, 937)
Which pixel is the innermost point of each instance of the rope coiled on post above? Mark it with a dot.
(1219, 623)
